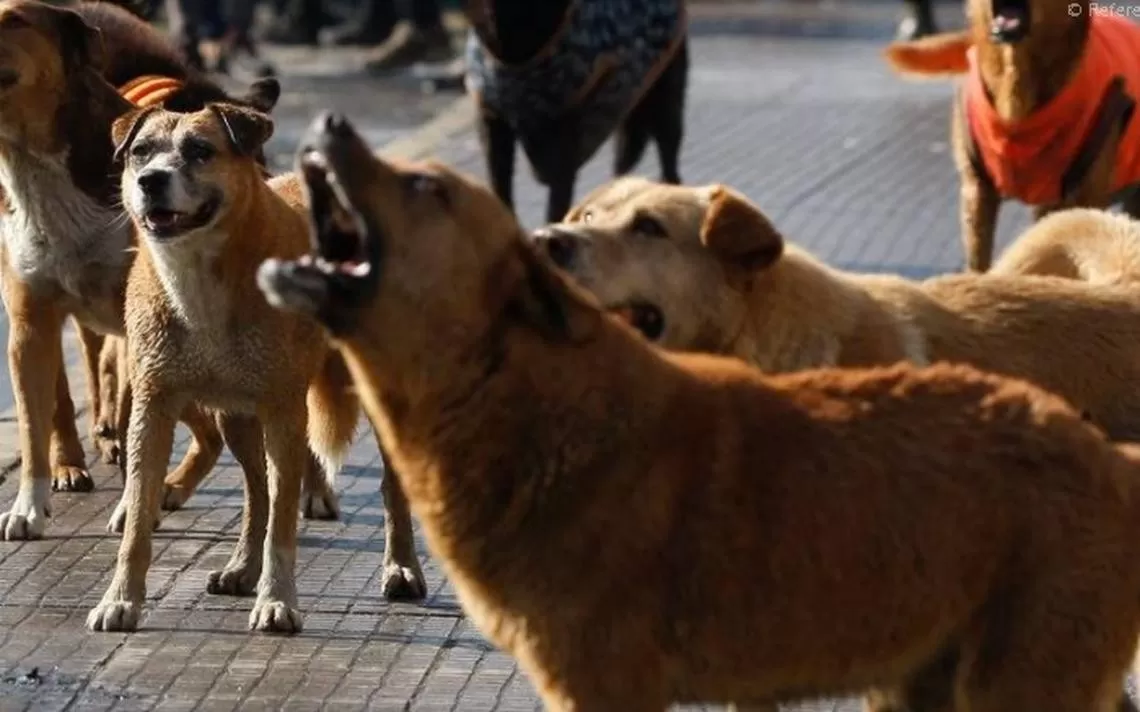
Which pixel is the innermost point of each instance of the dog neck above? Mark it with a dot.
(514, 31)
(477, 466)
(798, 306)
(1020, 78)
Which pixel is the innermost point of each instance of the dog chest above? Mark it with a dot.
(54, 233)
(594, 70)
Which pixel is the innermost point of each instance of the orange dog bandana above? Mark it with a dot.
(1026, 159)
(149, 90)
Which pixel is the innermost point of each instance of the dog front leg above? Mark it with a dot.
(403, 579)
(979, 211)
(498, 139)
(275, 610)
(68, 462)
(35, 357)
(150, 439)
(243, 435)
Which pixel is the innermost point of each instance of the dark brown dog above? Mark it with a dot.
(1045, 111)
(771, 537)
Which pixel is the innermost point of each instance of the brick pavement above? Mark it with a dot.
(848, 160)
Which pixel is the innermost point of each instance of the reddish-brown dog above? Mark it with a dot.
(771, 537)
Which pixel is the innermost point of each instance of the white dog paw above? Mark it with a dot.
(403, 583)
(114, 616)
(320, 505)
(270, 616)
(25, 520)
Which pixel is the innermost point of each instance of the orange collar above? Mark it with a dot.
(149, 89)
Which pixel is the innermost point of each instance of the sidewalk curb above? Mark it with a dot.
(421, 143)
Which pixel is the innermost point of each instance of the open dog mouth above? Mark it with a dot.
(342, 269)
(164, 223)
(645, 317)
(1010, 20)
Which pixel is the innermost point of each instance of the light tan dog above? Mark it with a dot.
(1094, 246)
(771, 537)
(199, 330)
(702, 269)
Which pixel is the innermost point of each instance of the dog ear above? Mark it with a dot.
(81, 44)
(545, 300)
(736, 231)
(247, 129)
(263, 94)
(125, 128)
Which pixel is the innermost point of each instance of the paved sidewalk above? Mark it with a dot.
(848, 160)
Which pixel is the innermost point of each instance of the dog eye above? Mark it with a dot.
(423, 184)
(587, 217)
(650, 227)
(649, 320)
(141, 149)
(195, 152)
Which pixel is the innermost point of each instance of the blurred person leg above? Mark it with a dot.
(238, 39)
(299, 23)
(918, 20)
(185, 18)
(371, 25)
(423, 39)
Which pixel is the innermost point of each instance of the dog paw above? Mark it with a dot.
(108, 449)
(173, 497)
(269, 616)
(23, 522)
(67, 478)
(320, 505)
(238, 581)
(403, 583)
(114, 616)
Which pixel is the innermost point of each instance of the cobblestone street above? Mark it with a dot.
(791, 104)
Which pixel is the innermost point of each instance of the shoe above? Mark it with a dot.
(409, 45)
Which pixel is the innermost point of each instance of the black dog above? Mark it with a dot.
(561, 76)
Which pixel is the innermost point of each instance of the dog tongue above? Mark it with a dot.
(163, 218)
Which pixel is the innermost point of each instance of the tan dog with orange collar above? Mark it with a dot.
(198, 331)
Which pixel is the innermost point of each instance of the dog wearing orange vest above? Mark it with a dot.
(1044, 114)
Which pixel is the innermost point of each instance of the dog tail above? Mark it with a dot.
(935, 55)
(334, 409)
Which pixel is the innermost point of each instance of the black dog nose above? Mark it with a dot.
(154, 182)
(334, 123)
(559, 244)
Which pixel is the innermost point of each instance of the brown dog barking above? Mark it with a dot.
(771, 537)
